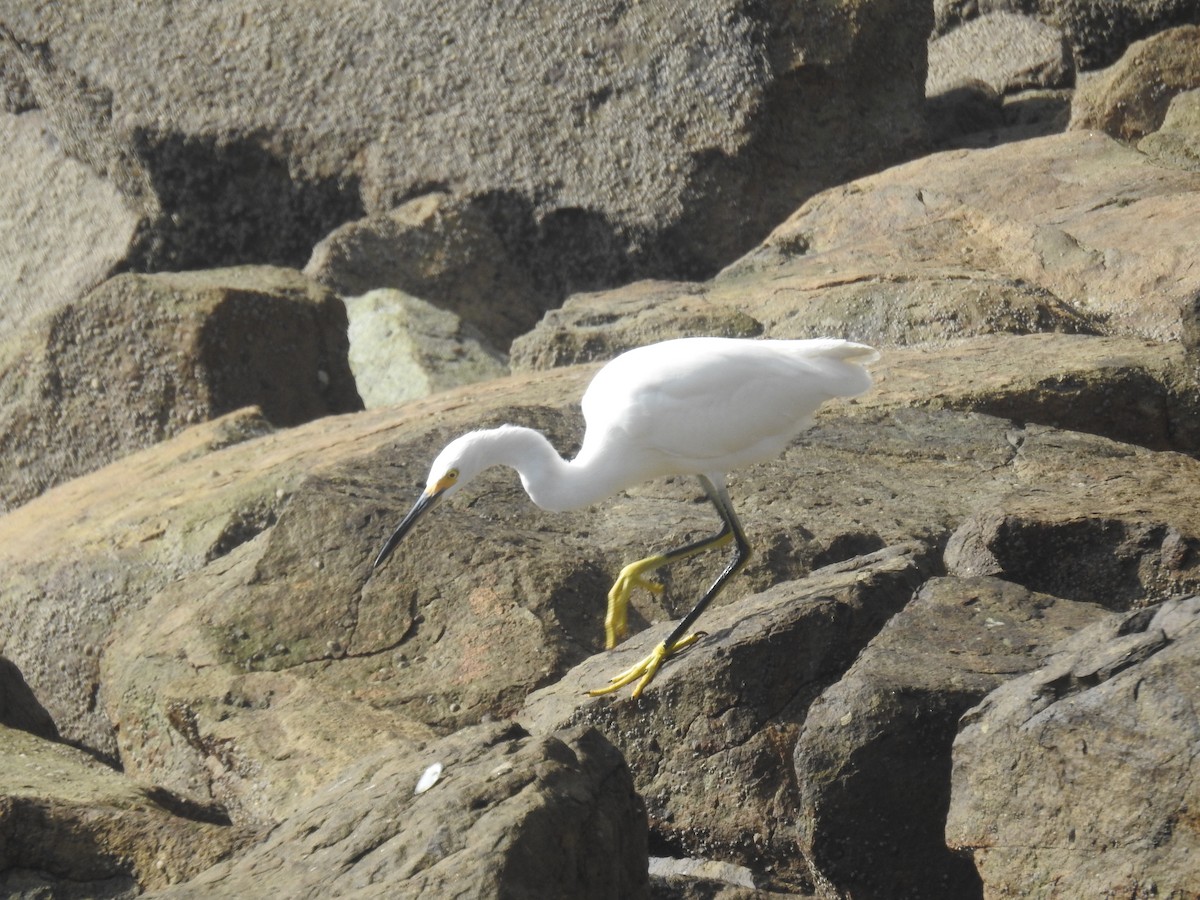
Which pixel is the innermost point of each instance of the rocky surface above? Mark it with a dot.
(1104, 736)
(982, 573)
(76, 393)
(72, 827)
(1097, 31)
(611, 135)
(487, 812)
(1130, 99)
(1006, 51)
(866, 829)
(1099, 240)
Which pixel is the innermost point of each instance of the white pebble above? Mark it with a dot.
(429, 778)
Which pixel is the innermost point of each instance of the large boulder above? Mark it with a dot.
(1130, 98)
(144, 356)
(636, 124)
(1177, 140)
(487, 812)
(932, 250)
(71, 827)
(1082, 773)
(874, 752)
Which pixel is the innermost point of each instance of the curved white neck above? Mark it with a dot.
(552, 482)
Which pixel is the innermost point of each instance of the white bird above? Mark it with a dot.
(693, 406)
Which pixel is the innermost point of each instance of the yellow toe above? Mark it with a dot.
(644, 671)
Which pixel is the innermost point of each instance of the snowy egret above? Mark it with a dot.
(692, 406)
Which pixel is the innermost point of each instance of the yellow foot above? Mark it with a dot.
(646, 669)
(633, 576)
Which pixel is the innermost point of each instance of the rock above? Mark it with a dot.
(1006, 51)
(1125, 388)
(1177, 141)
(1128, 389)
(1130, 98)
(667, 868)
(1060, 238)
(402, 348)
(510, 816)
(1098, 31)
(873, 757)
(19, 708)
(453, 253)
(1082, 773)
(933, 250)
(635, 123)
(709, 740)
(74, 393)
(1124, 546)
(65, 227)
(201, 611)
(74, 828)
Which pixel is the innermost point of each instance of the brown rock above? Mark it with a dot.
(1118, 542)
(1125, 388)
(144, 356)
(1130, 98)
(873, 757)
(1082, 774)
(932, 250)
(1177, 141)
(709, 741)
(72, 827)
(508, 815)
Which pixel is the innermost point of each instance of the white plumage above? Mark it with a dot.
(693, 406)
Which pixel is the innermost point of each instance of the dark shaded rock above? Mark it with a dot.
(19, 708)
(873, 757)
(509, 816)
(463, 255)
(1177, 141)
(1083, 773)
(144, 356)
(710, 740)
(70, 827)
(1120, 552)
(1127, 389)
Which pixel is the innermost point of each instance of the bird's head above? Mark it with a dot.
(460, 461)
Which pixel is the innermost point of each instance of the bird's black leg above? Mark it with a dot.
(644, 671)
(637, 574)
(741, 555)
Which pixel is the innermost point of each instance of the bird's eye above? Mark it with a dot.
(452, 475)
